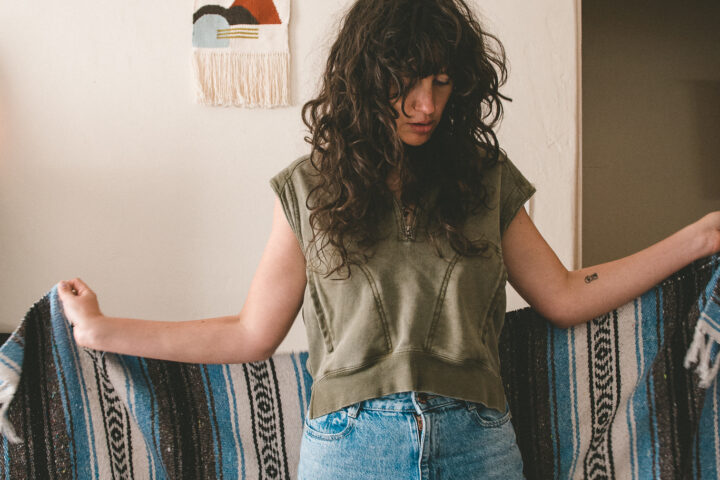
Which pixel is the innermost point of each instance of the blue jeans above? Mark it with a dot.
(410, 436)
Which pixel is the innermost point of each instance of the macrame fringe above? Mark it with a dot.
(241, 79)
(7, 392)
(706, 343)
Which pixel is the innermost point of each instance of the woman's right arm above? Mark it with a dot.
(272, 304)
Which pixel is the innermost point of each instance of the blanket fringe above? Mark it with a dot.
(706, 342)
(241, 79)
(7, 392)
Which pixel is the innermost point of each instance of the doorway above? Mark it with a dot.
(650, 122)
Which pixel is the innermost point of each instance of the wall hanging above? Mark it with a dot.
(241, 55)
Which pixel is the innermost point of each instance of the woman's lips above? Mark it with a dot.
(421, 127)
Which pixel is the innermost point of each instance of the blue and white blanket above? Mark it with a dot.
(608, 399)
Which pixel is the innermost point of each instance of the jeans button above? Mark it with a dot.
(419, 421)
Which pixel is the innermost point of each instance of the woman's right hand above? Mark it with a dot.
(81, 308)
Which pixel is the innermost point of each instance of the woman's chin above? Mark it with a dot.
(415, 140)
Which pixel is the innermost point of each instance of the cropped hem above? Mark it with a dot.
(407, 371)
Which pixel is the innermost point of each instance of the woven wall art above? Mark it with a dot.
(241, 55)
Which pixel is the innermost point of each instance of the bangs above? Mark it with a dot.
(419, 40)
(425, 56)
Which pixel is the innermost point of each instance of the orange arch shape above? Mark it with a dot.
(263, 10)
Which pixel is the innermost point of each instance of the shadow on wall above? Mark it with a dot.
(705, 95)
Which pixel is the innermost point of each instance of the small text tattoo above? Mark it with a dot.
(590, 278)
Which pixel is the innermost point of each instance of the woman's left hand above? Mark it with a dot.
(709, 228)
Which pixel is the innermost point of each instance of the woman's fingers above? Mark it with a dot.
(65, 288)
(79, 288)
(79, 301)
(75, 286)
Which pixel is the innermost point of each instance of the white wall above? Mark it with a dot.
(109, 171)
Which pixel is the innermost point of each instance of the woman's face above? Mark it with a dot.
(424, 106)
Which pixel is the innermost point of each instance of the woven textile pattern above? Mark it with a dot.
(607, 399)
(611, 398)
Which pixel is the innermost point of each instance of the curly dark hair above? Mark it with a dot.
(383, 49)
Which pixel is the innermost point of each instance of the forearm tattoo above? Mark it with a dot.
(590, 278)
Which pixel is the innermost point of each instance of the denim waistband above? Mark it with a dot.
(411, 401)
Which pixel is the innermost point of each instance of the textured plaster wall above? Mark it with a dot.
(109, 171)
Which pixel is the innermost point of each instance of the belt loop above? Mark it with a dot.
(353, 409)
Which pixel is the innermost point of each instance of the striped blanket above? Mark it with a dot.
(612, 398)
(607, 399)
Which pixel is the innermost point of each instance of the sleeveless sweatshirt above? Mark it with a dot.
(407, 319)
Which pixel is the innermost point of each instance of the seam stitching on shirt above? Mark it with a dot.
(379, 305)
(320, 315)
(400, 227)
(289, 173)
(296, 209)
(439, 302)
(526, 190)
(507, 214)
(496, 288)
(499, 290)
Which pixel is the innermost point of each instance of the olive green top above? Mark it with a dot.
(407, 319)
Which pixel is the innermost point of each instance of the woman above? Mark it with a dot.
(396, 235)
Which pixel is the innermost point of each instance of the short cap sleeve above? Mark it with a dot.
(515, 190)
(282, 184)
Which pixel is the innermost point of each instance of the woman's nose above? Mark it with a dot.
(423, 100)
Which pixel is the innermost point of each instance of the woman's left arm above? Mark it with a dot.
(568, 298)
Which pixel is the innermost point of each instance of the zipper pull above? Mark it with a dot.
(409, 232)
